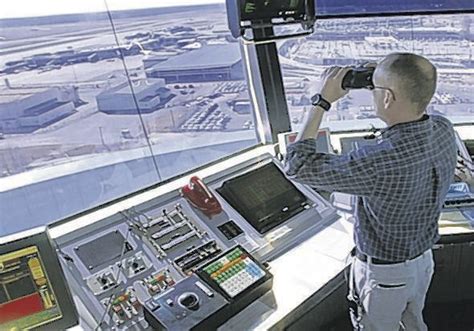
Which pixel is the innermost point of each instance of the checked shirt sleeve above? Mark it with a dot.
(353, 173)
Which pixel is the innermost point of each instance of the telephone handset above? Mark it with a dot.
(199, 196)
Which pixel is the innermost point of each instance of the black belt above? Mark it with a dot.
(361, 256)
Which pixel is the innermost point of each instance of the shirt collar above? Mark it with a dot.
(418, 125)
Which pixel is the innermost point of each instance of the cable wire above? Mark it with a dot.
(114, 293)
(130, 83)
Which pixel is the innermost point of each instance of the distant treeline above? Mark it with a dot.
(73, 18)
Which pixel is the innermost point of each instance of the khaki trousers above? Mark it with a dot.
(390, 297)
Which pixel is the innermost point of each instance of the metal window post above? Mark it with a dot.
(266, 89)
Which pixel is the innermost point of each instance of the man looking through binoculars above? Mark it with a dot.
(401, 183)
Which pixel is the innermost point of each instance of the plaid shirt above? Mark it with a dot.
(401, 183)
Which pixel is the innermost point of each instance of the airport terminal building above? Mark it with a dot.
(207, 64)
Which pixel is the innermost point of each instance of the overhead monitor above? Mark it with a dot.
(246, 15)
(349, 144)
(341, 8)
(270, 9)
(323, 141)
(33, 291)
(264, 197)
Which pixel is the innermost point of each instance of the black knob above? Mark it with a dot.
(189, 300)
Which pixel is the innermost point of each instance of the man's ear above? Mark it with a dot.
(387, 99)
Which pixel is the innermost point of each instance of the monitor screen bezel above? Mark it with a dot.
(229, 195)
(40, 238)
(298, 13)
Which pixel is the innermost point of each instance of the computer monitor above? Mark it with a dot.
(349, 144)
(323, 141)
(264, 197)
(33, 290)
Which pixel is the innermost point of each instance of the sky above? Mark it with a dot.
(30, 8)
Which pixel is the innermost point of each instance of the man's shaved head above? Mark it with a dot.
(413, 77)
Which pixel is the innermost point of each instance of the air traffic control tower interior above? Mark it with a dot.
(142, 148)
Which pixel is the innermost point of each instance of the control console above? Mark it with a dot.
(234, 274)
(191, 305)
(205, 300)
(187, 252)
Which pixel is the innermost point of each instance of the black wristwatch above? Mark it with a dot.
(318, 100)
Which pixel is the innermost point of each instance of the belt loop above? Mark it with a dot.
(369, 259)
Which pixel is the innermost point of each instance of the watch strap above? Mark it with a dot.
(318, 100)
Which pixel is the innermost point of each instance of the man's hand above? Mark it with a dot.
(464, 172)
(332, 83)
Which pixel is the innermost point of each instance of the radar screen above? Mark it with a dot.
(28, 297)
(264, 197)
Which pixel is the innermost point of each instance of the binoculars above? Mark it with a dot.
(358, 77)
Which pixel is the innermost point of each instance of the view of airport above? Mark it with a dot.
(65, 93)
(170, 90)
(448, 41)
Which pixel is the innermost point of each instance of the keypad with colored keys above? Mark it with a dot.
(234, 272)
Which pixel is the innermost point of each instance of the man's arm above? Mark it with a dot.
(353, 173)
(331, 91)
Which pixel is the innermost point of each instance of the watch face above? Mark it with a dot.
(317, 100)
